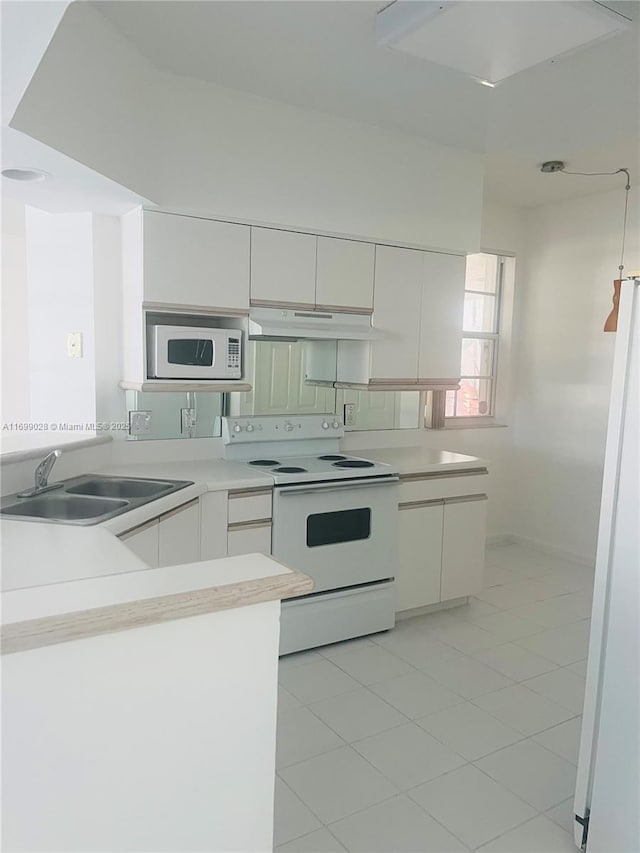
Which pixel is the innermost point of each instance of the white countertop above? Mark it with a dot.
(420, 460)
(37, 554)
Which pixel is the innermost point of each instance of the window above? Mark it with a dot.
(480, 338)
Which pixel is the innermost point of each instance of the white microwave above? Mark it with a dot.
(190, 352)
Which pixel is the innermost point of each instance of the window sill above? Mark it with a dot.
(473, 423)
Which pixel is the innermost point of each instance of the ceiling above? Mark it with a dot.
(322, 54)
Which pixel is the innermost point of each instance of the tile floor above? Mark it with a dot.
(456, 731)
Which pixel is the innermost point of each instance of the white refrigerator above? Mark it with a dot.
(607, 800)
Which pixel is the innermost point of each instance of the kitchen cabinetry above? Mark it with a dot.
(213, 517)
(249, 522)
(194, 262)
(179, 535)
(442, 308)
(396, 313)
(344, 275)
(442, 529)
(418, 306)
(463, 545)
(419, 554)
(283, 268)
(169, 540)
(143, 541)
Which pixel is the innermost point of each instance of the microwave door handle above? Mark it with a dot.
(325, 489)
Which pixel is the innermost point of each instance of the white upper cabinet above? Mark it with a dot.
(283, 267)
(195, 262)
(345, 274)
(396, 313)
(441, 316)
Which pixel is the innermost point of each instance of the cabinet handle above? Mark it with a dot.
(442, 475)
(419, 504)
(132, 531)
(249, 525)
(250, 493)
(463, 499)
(178, 509)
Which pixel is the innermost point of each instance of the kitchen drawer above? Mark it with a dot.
(249, 505)
(426, 487)
(250, 538)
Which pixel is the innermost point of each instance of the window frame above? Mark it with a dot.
(435, 417)
(485, 336)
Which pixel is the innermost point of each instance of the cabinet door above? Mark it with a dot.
(179, 533)
(441, 316)
(344, 277)
(396, 312)
(419, 555)
(283, 267)
(143, 541)
(195, 262)
(213, 525)
(465, 522)
(249, 539)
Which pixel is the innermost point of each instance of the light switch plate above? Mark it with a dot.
(139, 423)
(349, 414)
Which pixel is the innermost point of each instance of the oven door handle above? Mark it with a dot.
(365, 484)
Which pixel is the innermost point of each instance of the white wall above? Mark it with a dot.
(60, 275)
(564, 367)
(15, 316)
(194, 145)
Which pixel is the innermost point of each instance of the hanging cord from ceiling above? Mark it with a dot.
(626, 204)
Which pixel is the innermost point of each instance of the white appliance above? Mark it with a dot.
(334, 518)
(298, 324)
(607, 799)
(192, 352)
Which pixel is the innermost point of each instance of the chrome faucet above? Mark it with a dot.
(42, 476)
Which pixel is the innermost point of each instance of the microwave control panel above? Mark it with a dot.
(233, 355)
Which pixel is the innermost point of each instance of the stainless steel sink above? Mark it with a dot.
(62, 507)
(114, 487)
(89, 499)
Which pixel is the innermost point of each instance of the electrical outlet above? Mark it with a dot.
(139, 423)
(187, 419)
(349, 414)
(74, 344)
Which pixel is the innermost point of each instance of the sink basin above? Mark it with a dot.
(64, 508)
(89, 499)
(116, 487)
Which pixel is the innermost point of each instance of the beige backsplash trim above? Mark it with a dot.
(53, 630)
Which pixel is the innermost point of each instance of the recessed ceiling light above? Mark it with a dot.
(25, 174)
(486, 83)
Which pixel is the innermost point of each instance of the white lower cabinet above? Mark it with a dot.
(249, 538)
(441, 539)
(463, 545)
(143, 541)
(179, 535)
(213, 525)
(169, 540)
(419, 554)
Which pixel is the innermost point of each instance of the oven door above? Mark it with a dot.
(340, 534)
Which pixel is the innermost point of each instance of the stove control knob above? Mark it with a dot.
(325, 425)
(288, 426)
(237, 428)
(249, 427)
(336, 424)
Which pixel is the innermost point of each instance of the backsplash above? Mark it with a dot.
(173, 415)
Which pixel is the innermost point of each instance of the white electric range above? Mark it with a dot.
(334, 518)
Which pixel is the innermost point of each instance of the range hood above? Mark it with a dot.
(296, 324)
